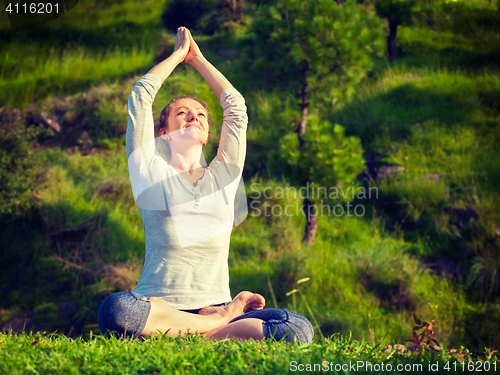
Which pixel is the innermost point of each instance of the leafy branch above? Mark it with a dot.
(426, 338)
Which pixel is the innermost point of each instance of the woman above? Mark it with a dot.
(186, 211)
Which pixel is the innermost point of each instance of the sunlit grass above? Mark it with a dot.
(72, 70)
(166, 355)
(93, 42)
(74, 182)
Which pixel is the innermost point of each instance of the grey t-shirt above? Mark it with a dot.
(187, 228)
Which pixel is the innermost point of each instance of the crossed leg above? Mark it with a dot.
(212, 321)
(241, 330)
(126, 314)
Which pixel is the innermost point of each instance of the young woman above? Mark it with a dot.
(187, 217)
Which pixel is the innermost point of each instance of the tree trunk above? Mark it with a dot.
(391, 40)
(239, 11)
(307, 206)
(312, 222)
(301, 129)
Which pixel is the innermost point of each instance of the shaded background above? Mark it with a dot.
(397, 95)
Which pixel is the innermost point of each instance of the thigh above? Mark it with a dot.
(123, 314)
(281, 324)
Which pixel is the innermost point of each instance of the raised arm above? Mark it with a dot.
(232, 145)
(140, 140)
(166, 67)
(214, 78)
(140, 128)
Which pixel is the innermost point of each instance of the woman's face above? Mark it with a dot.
(187, 123)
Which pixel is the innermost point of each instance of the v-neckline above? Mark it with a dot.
(197, 182)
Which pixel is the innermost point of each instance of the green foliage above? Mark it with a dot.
(104, 116)
(18, 174)
(204, 16)
(407, 12)
(426, 337)
(186, 13)
(330, 47)
(338, 43)
(399, 12)
(370, 280)
(329, 158)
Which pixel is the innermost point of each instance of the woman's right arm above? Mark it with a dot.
(140, 129)
(140, 138)
(166, 67)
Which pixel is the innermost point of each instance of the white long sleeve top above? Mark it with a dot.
(187, 228)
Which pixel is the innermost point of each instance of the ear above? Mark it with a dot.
(163, 134)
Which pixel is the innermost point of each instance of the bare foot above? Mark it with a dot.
(254, 302)
(207, 310)
(242, 303)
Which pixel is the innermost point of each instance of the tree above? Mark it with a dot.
(205, 16)
(328, 49)
(403, 12)
(185, 13)
(397, 12)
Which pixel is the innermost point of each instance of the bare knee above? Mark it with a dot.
(160, 319)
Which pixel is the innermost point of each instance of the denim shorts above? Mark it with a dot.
(124, 314)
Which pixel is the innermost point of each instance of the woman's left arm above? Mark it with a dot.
(232, 145)
(214, 78)
(230, 159)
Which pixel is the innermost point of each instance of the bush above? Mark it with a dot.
(18, 165)
(185, 13)
(330, 158)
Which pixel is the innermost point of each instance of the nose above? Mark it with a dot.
(193, 116)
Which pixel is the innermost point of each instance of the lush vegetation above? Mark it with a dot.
(427, 126)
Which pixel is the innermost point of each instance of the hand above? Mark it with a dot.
(194, 51)
(182, 43)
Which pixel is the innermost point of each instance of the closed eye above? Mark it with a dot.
(201, 114)
(180, 113)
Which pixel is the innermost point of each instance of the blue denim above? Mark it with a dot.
(124, 314)
(282, 325)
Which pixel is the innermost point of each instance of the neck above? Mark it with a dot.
(187, 159)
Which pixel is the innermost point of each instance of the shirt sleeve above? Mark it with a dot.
(140, 140)
(140, 127)
(232, 145)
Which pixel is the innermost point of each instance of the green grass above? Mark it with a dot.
(93, 42)
(432, 122)
(72, 71)
(36, 353)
